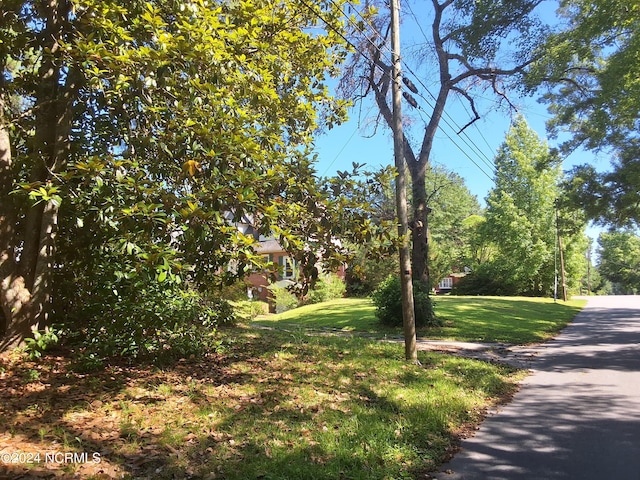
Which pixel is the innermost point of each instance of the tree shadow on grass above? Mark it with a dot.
(266, 408)
(47, 409)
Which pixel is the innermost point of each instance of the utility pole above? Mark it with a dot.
(589, 268)
(408, 312)
(562, 270)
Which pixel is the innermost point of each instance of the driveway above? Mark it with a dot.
(577, 416)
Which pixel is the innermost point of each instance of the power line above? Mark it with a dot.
(465, 152)
(477, 128)
(329, 25)
(335, 30)
(487, 161)
(470, 143)
(344, 146)
(415, 17)
(332, 27)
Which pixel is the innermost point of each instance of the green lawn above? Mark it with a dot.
(346, 314)
(514, 320)
(271, 404)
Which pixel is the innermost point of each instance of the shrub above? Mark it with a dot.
(162, 322)
(388, 301)
(236, 292)
(41, 340)
(247, 310)
(283, 298)
(486, 280)
(87, 363)
(475, 284)
(328, 287)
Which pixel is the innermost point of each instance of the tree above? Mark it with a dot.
(591, 68)
(620, 260)
(375, 259)
(142, 131)
(469, 39)
(609, 198)
(522, 220)
(478, 249)
(521, 211)
(451, 205)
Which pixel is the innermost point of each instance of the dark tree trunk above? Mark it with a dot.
(7, 219)
(25, 282)
(420, 230)
(15, 296)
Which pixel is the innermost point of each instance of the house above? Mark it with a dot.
(259, 281)
(272, 251)
(286, 273)
(446, 284)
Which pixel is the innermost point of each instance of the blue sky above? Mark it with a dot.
(470, 154)
(352, 142)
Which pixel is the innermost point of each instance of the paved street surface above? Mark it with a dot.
(577, 416)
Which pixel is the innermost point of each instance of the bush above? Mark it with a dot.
(388, 301)
(478, 283)
(328, 287)
(236, 292)
(161, 323)
(488, 279)
(283, 298)
(247, 310)
(41, 340)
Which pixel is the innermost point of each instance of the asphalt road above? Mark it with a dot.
(577, 416)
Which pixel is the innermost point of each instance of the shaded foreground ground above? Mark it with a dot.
(271, 405)
(578, 415)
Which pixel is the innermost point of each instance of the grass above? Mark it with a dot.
(513, 320)
(273, 405)
(345, 314)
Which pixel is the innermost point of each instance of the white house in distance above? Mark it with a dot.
(446, 284)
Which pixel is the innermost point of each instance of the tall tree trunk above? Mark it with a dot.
(15, 295)
(420, 227)
(420, 258)
(417, 167)
(7, 219)
(25, 284)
